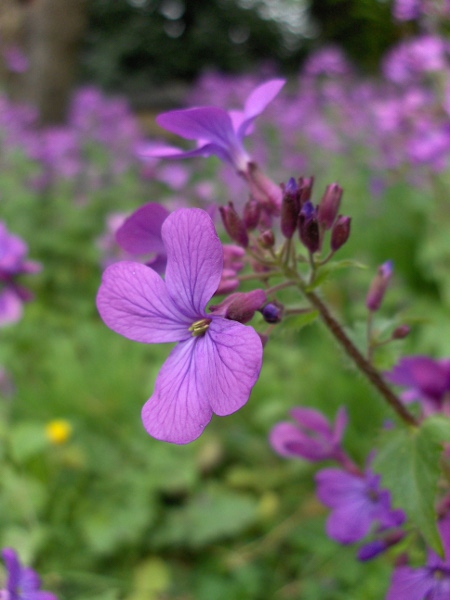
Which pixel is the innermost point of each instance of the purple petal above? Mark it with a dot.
(11, 307)
(177, 412)
(13, 567)
(349, 523)
(215, 372)
(310, 418)
(421, 372)
(194, 260)
(287, 440)
(39, 595)
(141, 232)
(336, 486)
(204, 150)
(411, 584)
(29, 580)
(134, 302)
(231, 362)
(207, 124)
(257, 102)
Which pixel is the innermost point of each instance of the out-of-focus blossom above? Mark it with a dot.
(431, 582)
(217, 361)
(327, 61)
(427, 380)
(58, 431)
(311, 437)
(407, 10)
(23, 583)
(358, 504)
(415, 58)
(13, 264)
(15, 59)
(379, 286)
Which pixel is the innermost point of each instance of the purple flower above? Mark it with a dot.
(141, 234)
(23, 582)
(217, 131)
(216, 362)
(407, 10)
(358, 504)
(431, 582)
(13, 263)
(427, 380)
(312, 437)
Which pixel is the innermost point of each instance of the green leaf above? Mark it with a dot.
(408, 460)
(28, 439)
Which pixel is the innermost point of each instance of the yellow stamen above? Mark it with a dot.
(200, 327)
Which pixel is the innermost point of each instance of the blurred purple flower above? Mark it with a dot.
(217, 131)
(427, 380)
(13, 263)
(216, 362)
(358, 504)
(431, 582)
(407, 10)
(15, 59)
(312, 437)
(23, 582)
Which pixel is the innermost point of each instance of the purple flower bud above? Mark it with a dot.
(290, 208)
(340, 232)
(240, 306)
(272, 313)
(379, 286)
(329, 205)
(234, 225)
(305, 185)
(267, 239)
(401, 332)
(252, 213)
(309, 227)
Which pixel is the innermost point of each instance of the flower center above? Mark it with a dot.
(200, 327)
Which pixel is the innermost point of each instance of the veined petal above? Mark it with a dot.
(194, 260)
(134, 302)
(178, 412)
(141, 232)
(229, 360)
(204, 150)
(208, 124)
(257, 102)
(411, 584)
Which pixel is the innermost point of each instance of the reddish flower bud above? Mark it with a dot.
(234, 225)
(267, 239)
(305, 185)
(252, 213)
(308, 226)
(401, 332)
(340, 232)
(379, 286)
(329, 205)
(290, 207)
(240, 306)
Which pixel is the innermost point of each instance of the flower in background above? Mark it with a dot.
(358, 504)
(13, 263)
(427, 380)
(312, 437)
(58, 431)
(430, 582)
(15, 59)
(217, 361)
(407, 10)
(23, 583)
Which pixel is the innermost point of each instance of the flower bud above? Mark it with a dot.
(240, 306)
(401, 332)
(340, 232)
(309, 227)
(272, 313)
(329, 205)
(379, 286)
(305, 185)
(267, 239)
(252, 212)
(290, 207)
(234, 225)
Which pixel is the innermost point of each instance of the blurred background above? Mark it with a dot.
(103, 511)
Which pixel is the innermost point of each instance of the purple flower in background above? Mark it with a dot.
(141, 234)
(358, 504)
(407, 10)
(312, 437)
(216, 362)
(217, 131)
(13, 263)
(431, 582)
(15, 59)
(427, 380)
(23, 582)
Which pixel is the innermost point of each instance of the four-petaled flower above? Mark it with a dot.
(217, 131)
(216, 362)
(358, 503)
(23, 582)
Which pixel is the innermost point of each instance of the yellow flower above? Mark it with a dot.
(58, 431)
